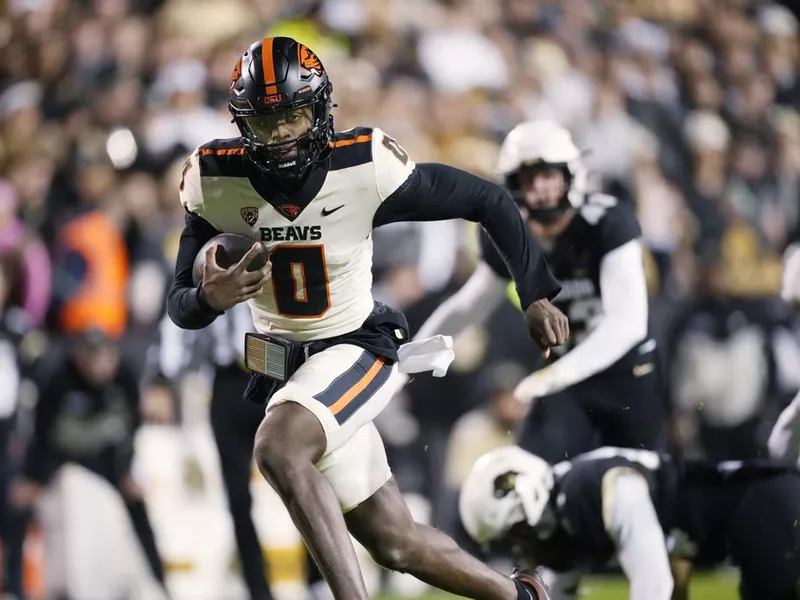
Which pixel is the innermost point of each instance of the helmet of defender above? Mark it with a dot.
(506, 486)
(541, 167)
(280, 99)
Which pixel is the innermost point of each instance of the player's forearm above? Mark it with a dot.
(186, 304)
(632, 522)
(608, 343)
(790, 287)
(623, 326)
(784, 440)
(187, 307)
(436, 192)
(472, 304)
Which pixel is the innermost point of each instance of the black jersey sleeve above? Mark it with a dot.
(186, 303)
(490, 255)
(435, 192)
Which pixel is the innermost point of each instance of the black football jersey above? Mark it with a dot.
(695, 501)
(601, 225)
(580, 538)
(707, 499)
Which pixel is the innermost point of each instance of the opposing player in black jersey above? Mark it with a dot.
(619, 503)
(326, 354)
(604, 390)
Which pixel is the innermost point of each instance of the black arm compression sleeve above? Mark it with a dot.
(435, 192)
(186, 304)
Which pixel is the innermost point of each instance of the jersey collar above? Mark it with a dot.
(289, 203)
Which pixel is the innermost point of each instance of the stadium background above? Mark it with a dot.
(688, 108)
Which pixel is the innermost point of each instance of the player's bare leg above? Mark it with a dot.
(288, 443)
(384, 525)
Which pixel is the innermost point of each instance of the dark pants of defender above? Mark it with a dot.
(765, 539)
(610, 409)
(234, 422)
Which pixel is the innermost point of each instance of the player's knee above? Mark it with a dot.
(399, 550)
(288, 440)
(270, 456)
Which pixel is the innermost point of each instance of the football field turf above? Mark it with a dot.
(720, 586)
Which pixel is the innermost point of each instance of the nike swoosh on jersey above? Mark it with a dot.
(326, 212)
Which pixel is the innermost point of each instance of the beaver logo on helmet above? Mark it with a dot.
(308, 60)
(237, 72)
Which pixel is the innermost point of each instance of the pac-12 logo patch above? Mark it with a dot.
(250, 215)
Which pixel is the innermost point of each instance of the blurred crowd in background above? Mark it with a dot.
(688, 108)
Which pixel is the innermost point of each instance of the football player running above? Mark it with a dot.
(616, 503)
(604, 390)
(312, 197)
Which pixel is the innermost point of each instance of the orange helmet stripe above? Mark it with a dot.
(268, 66)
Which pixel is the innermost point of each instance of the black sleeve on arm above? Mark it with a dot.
(490, 255)
(186, 304)
(436, 192)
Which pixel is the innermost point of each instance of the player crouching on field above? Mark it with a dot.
(327, 356)
(617, 503)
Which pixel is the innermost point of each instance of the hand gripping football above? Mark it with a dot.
(231, 247)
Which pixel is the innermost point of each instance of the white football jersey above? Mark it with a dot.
(320, 246)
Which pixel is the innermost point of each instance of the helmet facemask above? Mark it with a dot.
(286, 142)
(545, 215)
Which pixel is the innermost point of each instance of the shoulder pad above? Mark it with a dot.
(595, 207)
(222, 158)
(393, 165)
(351, 148)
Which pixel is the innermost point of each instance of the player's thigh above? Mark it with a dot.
(628, 411)
(345, 388)
(765, 539)
(358, 468)
(556, 428)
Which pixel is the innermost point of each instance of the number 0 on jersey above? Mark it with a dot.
(300, 281)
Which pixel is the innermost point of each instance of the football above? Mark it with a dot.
(231, 247)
